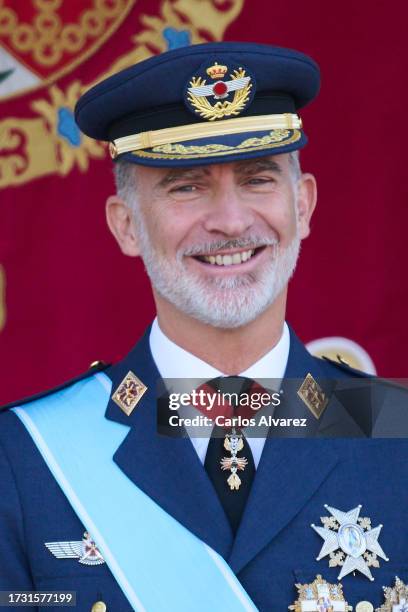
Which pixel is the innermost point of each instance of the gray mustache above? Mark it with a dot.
(253, 242)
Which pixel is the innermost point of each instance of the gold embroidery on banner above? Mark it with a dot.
(211, 150)
(196, 16)
(79, 59)
(34, 147)
(46, 39)
(66, 154)
(27, 151)
(210, 15)
(2, 298)
(221, 109)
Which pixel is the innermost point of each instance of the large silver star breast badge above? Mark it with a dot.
(85, 550)
(350, 541)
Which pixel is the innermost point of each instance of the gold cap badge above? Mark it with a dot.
(219, 98)
(313, 396)
(129, 393)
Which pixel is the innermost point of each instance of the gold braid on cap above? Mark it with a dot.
(182, 133)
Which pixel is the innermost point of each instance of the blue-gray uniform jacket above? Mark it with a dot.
(275, 546)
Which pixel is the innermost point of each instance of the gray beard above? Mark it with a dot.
(220, 302)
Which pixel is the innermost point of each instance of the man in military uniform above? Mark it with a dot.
(92, 499)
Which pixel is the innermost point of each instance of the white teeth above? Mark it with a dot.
(229, 260)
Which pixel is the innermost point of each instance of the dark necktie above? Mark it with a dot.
(229, 462)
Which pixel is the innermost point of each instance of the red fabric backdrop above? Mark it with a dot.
(67, 295)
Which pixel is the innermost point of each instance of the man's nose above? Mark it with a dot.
(228, 214)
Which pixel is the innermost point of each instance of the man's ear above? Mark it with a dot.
(121, 223)
(307, 198)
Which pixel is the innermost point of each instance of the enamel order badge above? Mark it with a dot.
(396, 598)
(320, 596)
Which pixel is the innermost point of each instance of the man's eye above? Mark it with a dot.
(184, 189)
(259, 181)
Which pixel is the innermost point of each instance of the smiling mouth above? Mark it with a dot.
(230, 259)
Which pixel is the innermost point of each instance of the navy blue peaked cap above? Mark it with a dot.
(208, 103)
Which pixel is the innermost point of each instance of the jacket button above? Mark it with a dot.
(99, 606)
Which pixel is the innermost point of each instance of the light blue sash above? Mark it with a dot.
(158, 563)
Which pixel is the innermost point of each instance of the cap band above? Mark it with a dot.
(182, 133)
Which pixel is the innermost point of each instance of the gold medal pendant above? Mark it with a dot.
(233, 443)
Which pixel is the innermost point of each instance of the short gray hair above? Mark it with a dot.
(125, 180)
(126, 183)
(294, 160)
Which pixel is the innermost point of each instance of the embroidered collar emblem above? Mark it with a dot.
(129, 393)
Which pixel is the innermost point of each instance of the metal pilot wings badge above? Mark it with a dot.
(214, 94)
(352, 537)
(85, 550)
(320, 596)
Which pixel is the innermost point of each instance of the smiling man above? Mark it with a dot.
(94, 501)
(220, 243)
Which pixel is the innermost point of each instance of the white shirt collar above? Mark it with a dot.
(172, 361)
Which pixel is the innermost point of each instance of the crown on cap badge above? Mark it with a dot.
(216, 71)
(219, 97)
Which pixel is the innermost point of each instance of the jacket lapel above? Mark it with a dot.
(290, 470)
(166, 469)
(169, 471)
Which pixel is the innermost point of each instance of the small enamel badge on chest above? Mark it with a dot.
(218, 91)
(85, 550)
(129, 393)
(320, 596)
(396, 598)
(352, 537)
